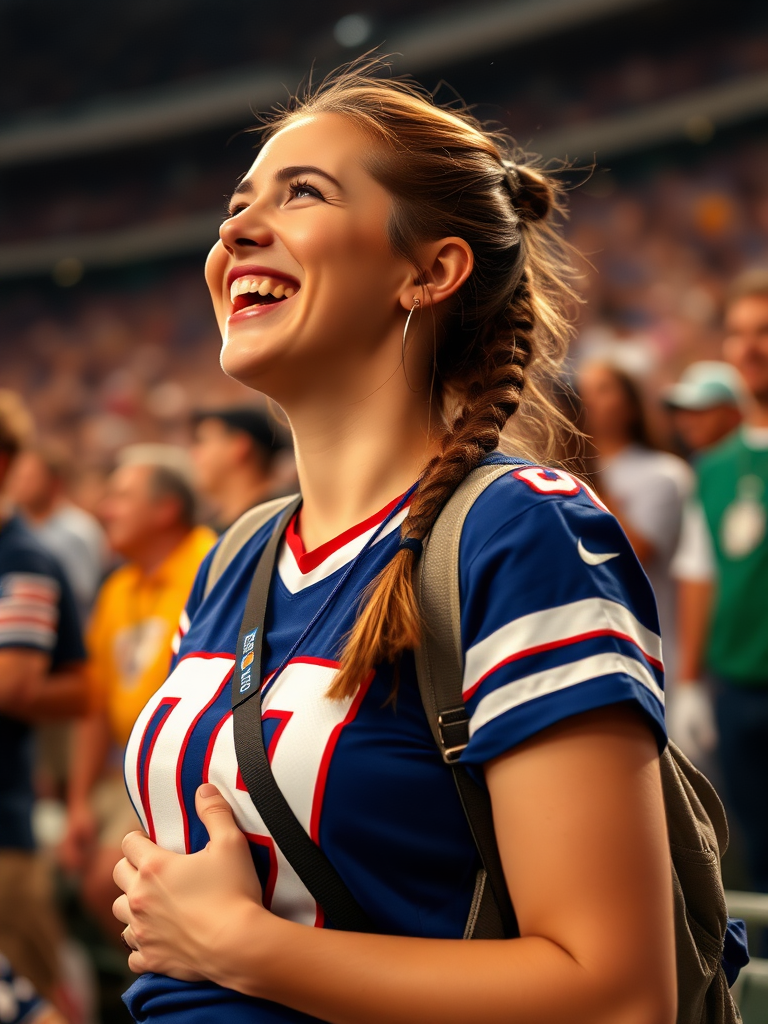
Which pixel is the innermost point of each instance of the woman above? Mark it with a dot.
(646, 489)
(392, 283)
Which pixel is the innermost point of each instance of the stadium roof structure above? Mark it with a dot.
(418, 46)
(439, 39)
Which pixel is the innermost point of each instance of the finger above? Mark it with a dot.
(215, 813)
(135, 846)
(121, 909)
(124, 874)
(137, 963)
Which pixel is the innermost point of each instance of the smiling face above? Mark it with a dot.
(304, 283)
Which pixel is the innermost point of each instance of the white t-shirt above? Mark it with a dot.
(652, 489)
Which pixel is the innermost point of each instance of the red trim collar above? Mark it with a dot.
(309, 560)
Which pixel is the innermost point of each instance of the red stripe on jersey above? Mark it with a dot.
(182, 753)
(553, 645)
(167, 705)
(269, 844)
(308, 560)
(211, 744)
(325, 763)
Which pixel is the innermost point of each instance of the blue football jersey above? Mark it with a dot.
(557, 618)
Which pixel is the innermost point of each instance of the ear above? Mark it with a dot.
(447, 264)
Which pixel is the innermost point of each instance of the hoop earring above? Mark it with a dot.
(416, 302)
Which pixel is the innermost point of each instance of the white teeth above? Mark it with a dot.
(261, 286)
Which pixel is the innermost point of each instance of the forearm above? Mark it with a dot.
(694, 603)
(50, 698)
(90, 745)
(345, 978)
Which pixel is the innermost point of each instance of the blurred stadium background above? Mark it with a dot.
(123, 128)
(122, 131)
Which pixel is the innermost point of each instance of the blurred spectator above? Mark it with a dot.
(723, 568)
(37, 485)
(20, 1003)
(646, 489)
(707, 404)
(149, 517)
(40, 678)
(234, 453)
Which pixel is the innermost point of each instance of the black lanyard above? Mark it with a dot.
(306, 858)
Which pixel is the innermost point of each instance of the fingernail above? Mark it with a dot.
(207, 790)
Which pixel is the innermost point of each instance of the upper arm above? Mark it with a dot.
(581, 828)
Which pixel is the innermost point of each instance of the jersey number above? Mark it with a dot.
(301, 729)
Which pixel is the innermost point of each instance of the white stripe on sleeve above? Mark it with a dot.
(556, 627)
(553, 680)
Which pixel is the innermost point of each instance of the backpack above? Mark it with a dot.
(698, 831)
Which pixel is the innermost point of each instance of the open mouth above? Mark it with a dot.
(256, 290)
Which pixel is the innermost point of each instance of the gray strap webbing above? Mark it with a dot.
(238, 535)
(439, 667)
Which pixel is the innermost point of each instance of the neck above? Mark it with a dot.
(609, 445)
(42, 512)
(240, 491)
(355, 454)
(155, 551)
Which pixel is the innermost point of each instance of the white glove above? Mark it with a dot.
(691, 720)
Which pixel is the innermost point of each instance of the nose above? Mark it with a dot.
(243, 231)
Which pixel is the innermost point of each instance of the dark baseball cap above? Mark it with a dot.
(261, 428)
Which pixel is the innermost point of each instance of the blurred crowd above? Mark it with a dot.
(97, 559)
(181, 180)
(91, 608)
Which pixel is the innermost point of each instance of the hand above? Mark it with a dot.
(691, 721)
(79, 842)
(180, 909)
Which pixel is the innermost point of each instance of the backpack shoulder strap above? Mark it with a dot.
(238, 535)
(439, 668)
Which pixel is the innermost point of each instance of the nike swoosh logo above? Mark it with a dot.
(592, 558)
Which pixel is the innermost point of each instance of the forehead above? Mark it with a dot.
(330, 141)
(748, 310)
(130, 479)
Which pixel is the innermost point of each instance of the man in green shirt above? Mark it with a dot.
(722, 569)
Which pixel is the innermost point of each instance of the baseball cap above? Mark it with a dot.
(251, 421)
(704, 385)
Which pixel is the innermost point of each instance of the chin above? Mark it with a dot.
(250, 360)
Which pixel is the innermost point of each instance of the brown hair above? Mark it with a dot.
(506, 330)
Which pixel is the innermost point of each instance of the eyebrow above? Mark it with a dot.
(286, 173)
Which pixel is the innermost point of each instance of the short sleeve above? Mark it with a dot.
(29, 610)
(558, 616)
(69, 641)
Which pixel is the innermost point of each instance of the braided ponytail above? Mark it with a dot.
(504, 337)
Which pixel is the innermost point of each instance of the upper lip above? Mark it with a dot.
(249, 269)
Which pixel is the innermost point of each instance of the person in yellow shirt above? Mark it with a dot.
(149, 518)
